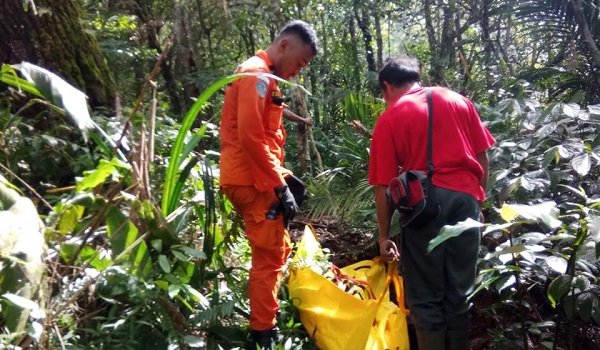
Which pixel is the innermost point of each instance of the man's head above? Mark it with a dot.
(293, 48)
(398, 74)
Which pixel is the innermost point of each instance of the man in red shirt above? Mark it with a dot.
(437, 284)
(252, 172)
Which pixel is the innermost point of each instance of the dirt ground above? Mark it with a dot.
(491, 320)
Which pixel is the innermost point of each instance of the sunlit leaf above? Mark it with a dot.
(174, 289)
(545, 130)
(164, 285)
(505, 282)
(101, 173)
(502, 174)
(594, 109)
(580, 193)
(546, 212)
(582, 164)
(20, 301)
(515, 249)
(556, 263)
(69, 219)
(196, 295)
(593, 222)
(450, 231)
(61, 94)
(563, 152)
(495, 227)
(193, 341)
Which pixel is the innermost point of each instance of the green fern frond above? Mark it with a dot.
(216, 313)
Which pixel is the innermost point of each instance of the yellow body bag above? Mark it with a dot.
(362, 318)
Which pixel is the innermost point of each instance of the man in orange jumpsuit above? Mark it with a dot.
(252, 173)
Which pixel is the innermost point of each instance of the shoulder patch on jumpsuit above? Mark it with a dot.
(261, 88)
(262, 84)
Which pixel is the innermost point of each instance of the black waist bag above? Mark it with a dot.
(413, 195)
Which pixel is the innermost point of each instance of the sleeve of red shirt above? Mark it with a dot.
(383, 163)
(251, 134)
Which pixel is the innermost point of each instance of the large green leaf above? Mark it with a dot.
(450, 231)
(513, 249)
(60, 93)
(9, 76)
(87, 254)
(582, 164)
(125, 240)
(586, 303)
(101, 173)
(559, 288)
(164, 264)
(21, 302)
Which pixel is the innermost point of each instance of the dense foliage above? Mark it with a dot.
(143, 251)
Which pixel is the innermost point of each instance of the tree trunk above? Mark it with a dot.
(152, 27)
(52, 37)
(356, 77)
(428, 12)
(378, 37)
(299, 104)
(585, 32)
(488, 48)
(186, 56)
(364, 22)
(442, 63)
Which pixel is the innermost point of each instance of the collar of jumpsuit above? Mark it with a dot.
(263, 55)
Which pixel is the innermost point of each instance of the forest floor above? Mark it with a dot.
(495, 325)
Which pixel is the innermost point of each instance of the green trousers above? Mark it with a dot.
(437, 284)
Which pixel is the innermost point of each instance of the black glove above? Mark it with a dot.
(288, 203)
(297, 188)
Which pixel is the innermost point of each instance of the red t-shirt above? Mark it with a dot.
(400, 141)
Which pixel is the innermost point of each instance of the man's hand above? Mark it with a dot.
(308, 121)
(388, 250)
(288, 203)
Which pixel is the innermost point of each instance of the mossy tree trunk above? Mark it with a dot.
(52, 36)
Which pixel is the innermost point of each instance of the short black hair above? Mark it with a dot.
(304, 31)
(400, 70)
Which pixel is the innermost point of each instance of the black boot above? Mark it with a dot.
(263, 340)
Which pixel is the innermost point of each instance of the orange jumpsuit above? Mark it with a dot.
(251, 167)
